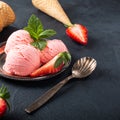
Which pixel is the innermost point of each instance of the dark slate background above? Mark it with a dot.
(96, 97)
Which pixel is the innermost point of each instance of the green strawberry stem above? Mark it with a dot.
(4, 94)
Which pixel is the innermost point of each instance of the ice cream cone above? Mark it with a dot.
(1, 24)
(7, 15)
(53, 9)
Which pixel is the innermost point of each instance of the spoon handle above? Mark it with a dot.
(47, 95)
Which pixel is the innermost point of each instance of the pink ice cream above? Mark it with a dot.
(16, 38)
(22, 60)
(53, 48)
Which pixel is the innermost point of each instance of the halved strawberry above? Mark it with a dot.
(79, 33)
(53, 66)
(4, 95)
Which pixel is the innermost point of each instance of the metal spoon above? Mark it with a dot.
(82, 68)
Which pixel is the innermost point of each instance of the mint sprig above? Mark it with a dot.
(64, 58)
(37, 32)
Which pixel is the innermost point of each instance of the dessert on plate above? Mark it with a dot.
(29, 53)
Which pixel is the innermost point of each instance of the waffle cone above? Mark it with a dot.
(7, 15)
(1, 24)
(53, 9)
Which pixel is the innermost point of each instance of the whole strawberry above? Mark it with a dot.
(4, 96)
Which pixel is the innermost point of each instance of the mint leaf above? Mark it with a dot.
(34, 27)
(35, 23)
(37, 32)
(47, 33)
(39, 29)
(39, 44)
(31, 32)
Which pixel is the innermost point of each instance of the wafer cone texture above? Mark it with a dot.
(54, 9)
(7, 15)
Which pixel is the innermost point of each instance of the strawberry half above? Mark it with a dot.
(53, 66)
(79, 33)
(4, 95)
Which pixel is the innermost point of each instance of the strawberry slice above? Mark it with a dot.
(79, 33)
(53, 66)
(2, 49)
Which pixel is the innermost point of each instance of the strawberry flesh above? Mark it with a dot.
(3, 107)
(47, 68)
(78, 33)
(2, 49)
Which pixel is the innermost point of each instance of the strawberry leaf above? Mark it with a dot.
(66, 55)
(4, 92)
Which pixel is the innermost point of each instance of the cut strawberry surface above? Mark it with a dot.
(46, 69)
(78, 33)
(53, 66)
(2, 49)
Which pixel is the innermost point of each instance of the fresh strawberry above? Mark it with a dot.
(3, 107)
(53, 66)
(2, 49)
(4, 95)
(79, 33)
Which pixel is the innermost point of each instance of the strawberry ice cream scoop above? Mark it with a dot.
(22, 60)
(53, 48)
(18, 37)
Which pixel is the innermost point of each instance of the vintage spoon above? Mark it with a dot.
(82, 68)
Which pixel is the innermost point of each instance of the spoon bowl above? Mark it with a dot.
(82, 68)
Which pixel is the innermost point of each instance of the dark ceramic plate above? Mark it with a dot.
(13, 77)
